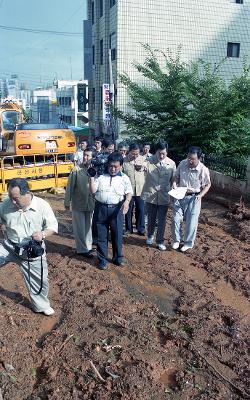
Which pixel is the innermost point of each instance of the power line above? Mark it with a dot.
(39, 31)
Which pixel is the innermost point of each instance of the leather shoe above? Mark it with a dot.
(102, 265)
(120, 263)
(88, 254)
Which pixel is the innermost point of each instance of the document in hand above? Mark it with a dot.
(178, 193)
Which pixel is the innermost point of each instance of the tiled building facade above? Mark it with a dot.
(208, 29)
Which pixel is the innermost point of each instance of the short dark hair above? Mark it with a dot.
(98, 139)
(161, 145)
(146, 144)
(83, 140)
(121, 145)
(21, 183)
(89, 148)
(134, 146)
(115, 156)
(195, 150)
(106, 142)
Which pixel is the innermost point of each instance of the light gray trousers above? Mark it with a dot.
(39, 302)
(82, 230)
(187, 210)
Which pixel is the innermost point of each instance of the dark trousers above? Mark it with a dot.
(109, 218)
(139, 215)
(157, 213)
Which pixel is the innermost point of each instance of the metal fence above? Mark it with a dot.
(228, 166)
(225, 165)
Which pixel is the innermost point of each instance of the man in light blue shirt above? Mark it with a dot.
(25, 217)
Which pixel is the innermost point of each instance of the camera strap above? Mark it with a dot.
(41, 279)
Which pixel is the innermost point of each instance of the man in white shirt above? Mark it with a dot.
(78, 159)
(192, 174)
(24, 217)
(113, 192)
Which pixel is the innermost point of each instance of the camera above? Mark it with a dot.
(33, 248)
(98, 165)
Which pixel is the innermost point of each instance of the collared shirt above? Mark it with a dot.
(21, 224)
(137, 178)
(78, 158)
(195, 179)
(112, 189)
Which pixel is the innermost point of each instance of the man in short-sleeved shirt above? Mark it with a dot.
(194, 175)
(113, 192)
(25, 217)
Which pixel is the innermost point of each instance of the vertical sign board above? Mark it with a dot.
(106, 103)
(82, 97)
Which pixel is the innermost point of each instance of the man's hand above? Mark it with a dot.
(174, 185)
(198, 198)
(125, 207)
(37, 236)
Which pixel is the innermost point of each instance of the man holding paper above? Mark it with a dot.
(191, 182)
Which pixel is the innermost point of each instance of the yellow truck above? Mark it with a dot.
(41, 153)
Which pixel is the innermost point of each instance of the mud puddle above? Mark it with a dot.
(163, 297)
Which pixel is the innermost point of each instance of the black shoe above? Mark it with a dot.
(141, 233)
(88, 254)
(121, 263)
(102, 265)
(125, 233)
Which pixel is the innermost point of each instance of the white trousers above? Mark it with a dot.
(32, 279)
(82, 230)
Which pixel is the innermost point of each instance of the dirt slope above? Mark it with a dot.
(167, 326)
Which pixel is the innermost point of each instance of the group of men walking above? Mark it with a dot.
(99, 203)
(134, 181)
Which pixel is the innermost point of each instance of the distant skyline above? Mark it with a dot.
(38, 58)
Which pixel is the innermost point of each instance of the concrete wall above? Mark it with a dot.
(231, 186)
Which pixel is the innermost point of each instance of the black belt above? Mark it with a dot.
(192, 194)
(108, 205)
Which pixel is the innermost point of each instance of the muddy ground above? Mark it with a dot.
(167, 326)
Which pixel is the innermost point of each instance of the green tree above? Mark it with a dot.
(188, 104)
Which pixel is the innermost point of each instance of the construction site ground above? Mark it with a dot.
(166, 326)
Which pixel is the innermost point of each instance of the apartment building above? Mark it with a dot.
(72, 102)
(211, 30)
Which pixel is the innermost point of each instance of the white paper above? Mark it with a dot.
(178, 193)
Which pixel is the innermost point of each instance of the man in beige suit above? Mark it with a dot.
(135, 166)
(82, 204)
(155, 193)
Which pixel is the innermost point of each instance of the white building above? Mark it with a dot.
(72, 102)
(211, 30)
(43, 106)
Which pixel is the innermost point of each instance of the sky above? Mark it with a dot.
(37, 59)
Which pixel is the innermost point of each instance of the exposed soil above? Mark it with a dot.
(167, 326)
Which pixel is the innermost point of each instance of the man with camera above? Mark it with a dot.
(26, 221)
(113, 193)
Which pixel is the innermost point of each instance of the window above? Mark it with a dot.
(112, 45)
(239, 1)
(100, 8)
(93, 98)
(93, 55)
(101, 99)
(101, 51)
(112, 3)
(233, 49)
(93, 12)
